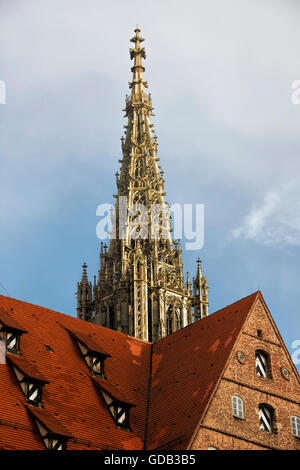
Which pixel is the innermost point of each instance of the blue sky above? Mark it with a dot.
(220, 75)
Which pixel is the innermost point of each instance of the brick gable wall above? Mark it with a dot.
(219, 428)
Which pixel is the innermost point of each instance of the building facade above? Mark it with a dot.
(140, 289)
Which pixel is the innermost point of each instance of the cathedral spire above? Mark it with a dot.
(141, 289)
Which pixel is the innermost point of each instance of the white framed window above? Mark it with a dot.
(238, 407)
(295, 421)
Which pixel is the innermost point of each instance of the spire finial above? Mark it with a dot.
(84, 272)
(137, 54)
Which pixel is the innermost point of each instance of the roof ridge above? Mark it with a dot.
(254, 294)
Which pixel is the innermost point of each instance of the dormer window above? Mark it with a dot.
(94, 359)
(119, 411)
(10, 332)
(94, 355)
(51, 440)
(118, 405)
(30, 379)
(53, 433)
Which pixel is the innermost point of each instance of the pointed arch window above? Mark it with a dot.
(178, 319)
(262, 364)
(169, 321)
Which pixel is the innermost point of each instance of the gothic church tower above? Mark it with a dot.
(140, 288)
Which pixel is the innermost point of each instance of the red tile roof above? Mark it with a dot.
(8, 321)
(28, 369)
(186, 364)
(111, 390)
(88, 342)
(48, 420)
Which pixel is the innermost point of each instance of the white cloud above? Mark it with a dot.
(277, 220)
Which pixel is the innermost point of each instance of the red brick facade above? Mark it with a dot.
(219, 428)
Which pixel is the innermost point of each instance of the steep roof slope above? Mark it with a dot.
(71, 397)
(186, 367)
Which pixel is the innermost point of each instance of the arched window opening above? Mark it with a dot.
(262, 364)
(266, 418)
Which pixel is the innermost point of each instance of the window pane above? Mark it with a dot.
(237, 407)
(97, 365)
(33, 392)
(295, 426)
(265, 419)
(57, 445)
(261, 364)
(11, 342)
